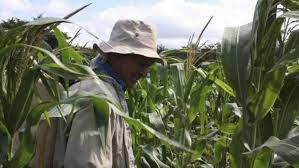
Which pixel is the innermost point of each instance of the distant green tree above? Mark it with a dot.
(16, 22)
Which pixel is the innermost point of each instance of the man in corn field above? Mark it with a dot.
(125, 58)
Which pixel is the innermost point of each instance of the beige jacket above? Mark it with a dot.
(91, 142)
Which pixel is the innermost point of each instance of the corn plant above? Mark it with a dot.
(25, 59)
(257, 59)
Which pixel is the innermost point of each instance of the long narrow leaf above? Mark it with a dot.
(288, 149)
(235, 57)
(23, 99)
(267, 97)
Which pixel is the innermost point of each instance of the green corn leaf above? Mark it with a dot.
(288, 149)
(102, 112)
(46, 20)
(293, 41)
(237, 147)
(228, 128)
(76, 11)
(290, 14)
(25, 151)
(268, 95)
(57, 70)
(290, 107)
(156, 121)
(198, 98)
(219, 148)
(291, 4)
(263, 159)
(189, 85)
(224, 86)
(292, 56)
(56, 60)
(232, 108)
(260, 21)
(67, 53)
(152, 158)
(5, 55)
(179, 78)
(36, 112)
(235, 56)
(22, 101)
(293, 69)
(5, 139)
(267, 48)
(187, 138)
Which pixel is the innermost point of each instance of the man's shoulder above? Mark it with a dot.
(96, 86)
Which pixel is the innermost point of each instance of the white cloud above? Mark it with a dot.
(15, 5)
(58, 7)
(175, 20)
(25, 9)
(5, 15)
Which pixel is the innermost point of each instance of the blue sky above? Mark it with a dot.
(175, 20)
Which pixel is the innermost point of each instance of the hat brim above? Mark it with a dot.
(107, 47)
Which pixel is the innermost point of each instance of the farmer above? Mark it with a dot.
(92, 140)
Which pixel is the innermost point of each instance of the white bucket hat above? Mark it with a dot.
(132, 37)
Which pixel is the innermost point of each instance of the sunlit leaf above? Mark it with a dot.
(45, 21)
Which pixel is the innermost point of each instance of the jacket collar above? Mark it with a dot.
(102, 67)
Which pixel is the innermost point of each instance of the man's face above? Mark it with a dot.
(131, 67)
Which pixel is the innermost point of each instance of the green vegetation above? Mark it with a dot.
(239, 108)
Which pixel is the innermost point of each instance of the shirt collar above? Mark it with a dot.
(105, 68)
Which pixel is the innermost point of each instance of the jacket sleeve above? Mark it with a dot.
(87, 145)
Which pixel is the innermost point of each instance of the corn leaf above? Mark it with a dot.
(289, 100)
(288, 149)
(236, 148)
(290, 57)
(21, 104)
(291, 14)
(68, 54)
(151, 154)
(293, 41)
(5, 139)
(263, 158)
(45, 21)
(291, 4)
(235, 57)
(156, 121)
(56, 60)
(179, 78)
(273, 83)
(198, 102)
(293, 69)
(25, 151)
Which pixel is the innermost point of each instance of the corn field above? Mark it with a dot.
(239, 108)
